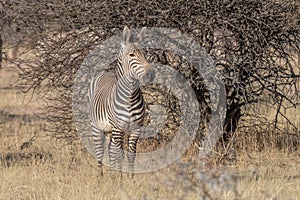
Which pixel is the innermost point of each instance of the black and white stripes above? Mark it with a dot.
(117, 105)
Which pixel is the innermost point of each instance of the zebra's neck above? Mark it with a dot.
(127, 77)
(119, 69)
(130, 84)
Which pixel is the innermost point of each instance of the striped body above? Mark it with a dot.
(117, 105)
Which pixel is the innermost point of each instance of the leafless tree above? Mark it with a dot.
(254, 44)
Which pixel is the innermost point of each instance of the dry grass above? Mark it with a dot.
(69, 176)
(59, 170)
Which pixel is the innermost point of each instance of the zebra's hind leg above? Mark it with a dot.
(132, 142)
(99, 138)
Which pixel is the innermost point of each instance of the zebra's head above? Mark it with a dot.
(132, 60)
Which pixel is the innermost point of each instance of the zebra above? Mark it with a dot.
(117, 105)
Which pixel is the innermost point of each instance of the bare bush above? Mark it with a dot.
(255, 45)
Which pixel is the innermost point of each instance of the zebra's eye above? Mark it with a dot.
(131, 54)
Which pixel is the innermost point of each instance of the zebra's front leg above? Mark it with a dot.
(111, 151)
(99, 137)
(117, 148)
(132, 143)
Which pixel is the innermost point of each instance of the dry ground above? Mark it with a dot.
(46, 168)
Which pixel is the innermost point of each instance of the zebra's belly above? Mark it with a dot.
(130, 124)
(105, 126)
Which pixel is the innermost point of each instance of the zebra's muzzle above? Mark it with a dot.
(149, 76)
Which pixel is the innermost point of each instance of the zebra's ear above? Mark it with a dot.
(141, 34)
(126, 35)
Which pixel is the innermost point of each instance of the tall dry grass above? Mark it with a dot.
(47, 168)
